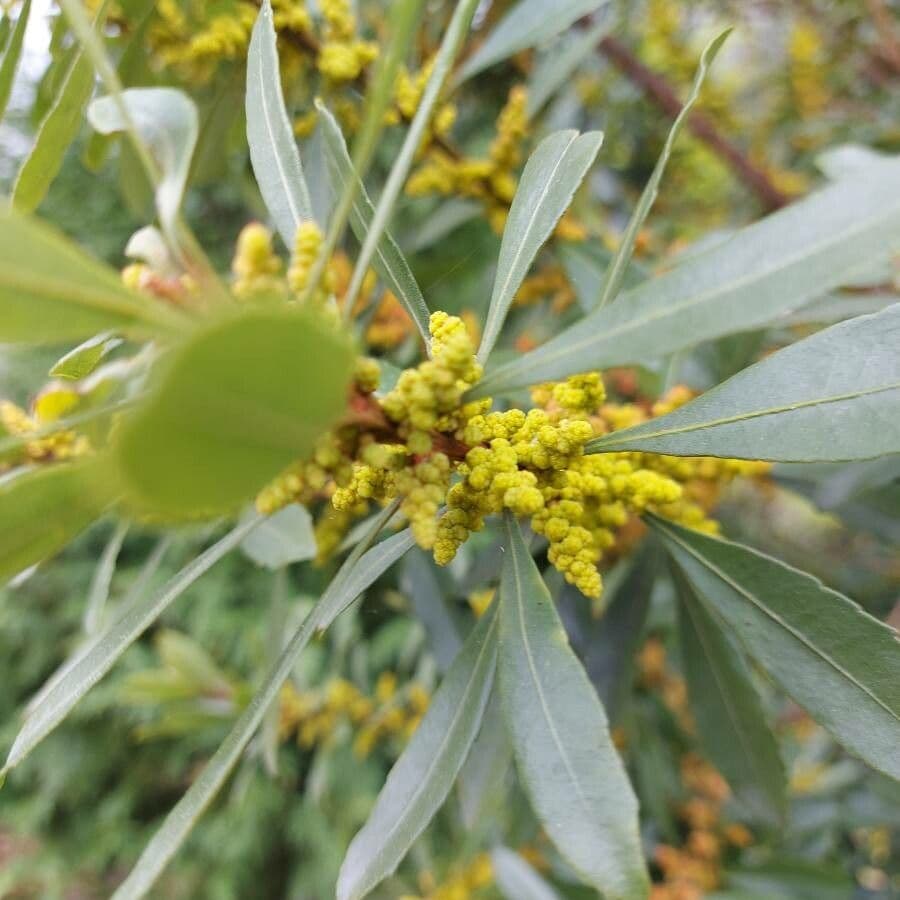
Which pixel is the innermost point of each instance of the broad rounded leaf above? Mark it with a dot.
(233, 405)
(775, 265)
(833, 658)
(833, 396)
(566, 759)
(421, 779)
(552, 175)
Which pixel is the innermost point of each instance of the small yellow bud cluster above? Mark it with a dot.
(62, 445)
(808, 67)
(291, 15)
(423, 488)
(408, 91)
(551, 282)
(464, 883)
(256, 266)
(307, 244)
(342, 57)
(320, 715)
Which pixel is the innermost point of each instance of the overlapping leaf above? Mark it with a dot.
(12, 55)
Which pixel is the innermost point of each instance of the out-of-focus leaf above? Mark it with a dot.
(102, 580)
(84, 359)
(833, 396)
(423, 776)
(833, 658)
(777, 264)
(560, 61)
(516, 878)
(612, 283)
(586, 265)
(50, 291)
(388, 260)
(234, 404)
(282, 539)
(11, 56)
(42, 510)
(58, 130)
(166, 120)
(848, 159)
(357, 573)
(730, 720)
(552, 175)
(57, 702)
(273, 150)
(527, 24)
(565, 757)
(836, 308)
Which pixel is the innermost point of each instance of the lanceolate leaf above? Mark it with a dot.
(357, 573)
(59, 128)
(775, 265)
(284, 538)
(730, 720)
(833, 658)
(422, 777)
(516, 878)
(42, 510)
(102, 580)
(527, 24)
(50, 291)
(552, 175)
(236, 403)
(11, 56)
(388, 260)
(102, 654)
(566, 759)
(166, 119)
(273, 150)
(80, 362)
(834, 396)
(616, 273)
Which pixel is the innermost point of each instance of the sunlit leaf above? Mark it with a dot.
(84, 359)
(50, 291)
(730, 720)
(552, 175)
(233, 405)
(565, 756)
(43, 509)
(101, 655)
(421, 779)
(775, 265)
(833, 658)
(527, 24)
(273, 149)
(388, 260)
(833, 396)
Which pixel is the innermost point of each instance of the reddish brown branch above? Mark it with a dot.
(701, 126)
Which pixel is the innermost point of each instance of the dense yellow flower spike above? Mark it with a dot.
(423, 444)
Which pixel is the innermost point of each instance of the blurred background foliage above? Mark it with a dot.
(795, 79)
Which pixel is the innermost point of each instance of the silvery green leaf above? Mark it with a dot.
(273, 149)
(552, 175)
(848, 159)
(283, 538)
(517, 879)
(102, 580)
(831, 397)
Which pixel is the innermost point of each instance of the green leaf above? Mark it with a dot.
(101, 655)
(166, 120)
(84, 359)
(11, 56)
(730, 720)
(102, 580)
(233, 405)
(527, 24)
(273, 150)
(422, 777)
(777, 264)
(357, 573)
(50, 291)
(833, 658)
(43, 509)
(516, 878)
(567, 762)
(834, 396)
(284, 538)
(58, 130)
(552, 175)
(388, 261)
(612, 284)
(560, 62)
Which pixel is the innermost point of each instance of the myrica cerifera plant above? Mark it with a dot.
(313, 404)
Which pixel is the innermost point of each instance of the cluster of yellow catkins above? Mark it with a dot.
(315, 716)
(453, 463)
(56, 447)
